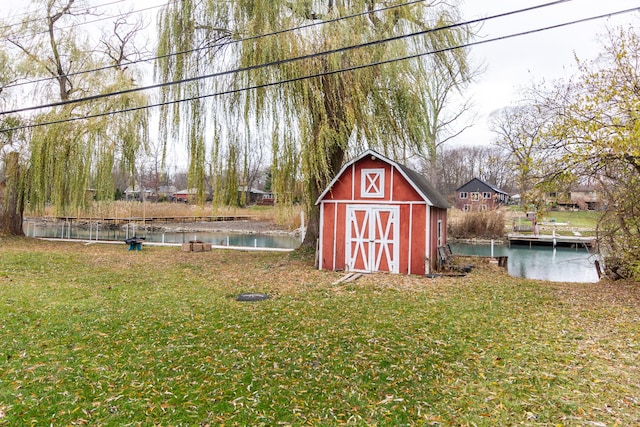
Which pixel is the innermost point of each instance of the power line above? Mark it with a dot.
(310, 76)
(222, 44)
(108, 17)
(86, 10)
(274, 63)
(119, 16)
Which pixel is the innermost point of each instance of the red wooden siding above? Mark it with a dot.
(417, 218)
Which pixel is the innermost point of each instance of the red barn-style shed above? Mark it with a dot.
(378, 215)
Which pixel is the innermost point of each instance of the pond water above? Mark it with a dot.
(280, 241)
(540, 262)
(544, 263)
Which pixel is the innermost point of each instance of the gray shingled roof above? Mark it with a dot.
(491, 186)
(425, 187)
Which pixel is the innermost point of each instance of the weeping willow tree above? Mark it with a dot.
(73, 160)
(315, 80)
(74, 147)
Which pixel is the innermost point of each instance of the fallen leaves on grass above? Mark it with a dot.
(102, 336)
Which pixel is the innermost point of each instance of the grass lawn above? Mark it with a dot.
(96, 335)
(579, 219)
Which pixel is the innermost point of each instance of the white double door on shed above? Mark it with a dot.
(372, 238)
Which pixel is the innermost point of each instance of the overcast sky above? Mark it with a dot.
(518, 62)
(512, 64)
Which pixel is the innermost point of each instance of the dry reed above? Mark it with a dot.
(288, 217)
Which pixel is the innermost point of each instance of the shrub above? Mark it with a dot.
(487, 225)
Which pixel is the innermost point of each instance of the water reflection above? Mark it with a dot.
(543, 263)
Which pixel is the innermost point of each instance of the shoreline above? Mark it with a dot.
(478, 241)
(244, 226)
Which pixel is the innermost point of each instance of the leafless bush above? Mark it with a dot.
(486, 225)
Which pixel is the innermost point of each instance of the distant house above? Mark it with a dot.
(257, 197)
(477, 195)
(137, 193)
(185, 195)
(267, 199)
(165, 192)
(581, 197)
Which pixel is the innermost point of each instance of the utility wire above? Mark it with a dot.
(222, 44)
(88, 9)
(107, 17)
(274, 63)
(310, 76)
(116, 17)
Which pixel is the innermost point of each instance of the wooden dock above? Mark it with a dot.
(551, 240)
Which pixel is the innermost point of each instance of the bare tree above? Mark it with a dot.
(119, 44)
(522, 132)
(458, 165)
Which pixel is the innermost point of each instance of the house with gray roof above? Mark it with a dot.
(477, 196)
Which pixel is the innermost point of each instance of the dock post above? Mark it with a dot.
(598, 269)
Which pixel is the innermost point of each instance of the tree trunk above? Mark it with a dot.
(335, 159)
(11, 198)
(333, 91)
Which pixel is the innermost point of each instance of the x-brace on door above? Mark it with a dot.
(372, 238)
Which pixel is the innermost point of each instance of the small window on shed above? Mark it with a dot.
(372, 183)
(463, 195)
